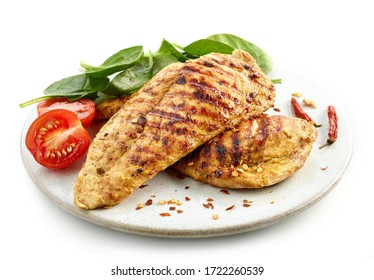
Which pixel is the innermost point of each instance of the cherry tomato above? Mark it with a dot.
(57, 139)
(84, 108)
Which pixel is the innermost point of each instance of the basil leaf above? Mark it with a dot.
(167, 48)
(205, 46)
(121, 60)
(261, 57)
(131, 79)
(76, 85)
(161, 60)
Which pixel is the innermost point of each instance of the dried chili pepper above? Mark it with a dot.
(333, 123)
(299, 112)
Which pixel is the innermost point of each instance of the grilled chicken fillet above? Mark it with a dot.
(258, 152)
(179, 109)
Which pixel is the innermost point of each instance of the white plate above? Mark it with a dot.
(320, 174)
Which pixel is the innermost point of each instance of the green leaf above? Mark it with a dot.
(162, 60)
(205, 46)
(167, 48)
(120, 61)
(131, 79)
(76, 85)
(276, 81)
(35, 100)
(261, 57)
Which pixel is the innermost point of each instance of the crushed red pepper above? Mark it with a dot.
(229, 208)
(149, 202)
(165, 214)
(208, 205)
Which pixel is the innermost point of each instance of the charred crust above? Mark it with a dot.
(221, 152)
(100, 171)
(236, 153)
(217, 173)
(181, 80)
(208, 64)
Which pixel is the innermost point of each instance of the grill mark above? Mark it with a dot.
(174, 117)
(192, 119)
(262, 132)
(208, 64)
(236, 152)
(205, 152)
(142, 120)
(220, 67)
(188, 69)
(207, 93)
(181, 80)
(218, 61)
(221, 151)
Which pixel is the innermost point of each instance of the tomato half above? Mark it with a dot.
(57, 138)
(84, 108)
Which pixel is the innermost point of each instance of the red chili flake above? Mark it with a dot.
(210, 199)
(276, 109)
(225, 191)
(148, 202)
(172, 208)
(324, 168)
(208, 205)
(187, 198)
(186, 187)
(142, 186)
(179, 211)
(229, 208)
(138, 208)
(247, 205)
(165, 214)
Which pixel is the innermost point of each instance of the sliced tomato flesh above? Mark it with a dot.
(57, 139)
(83, 108)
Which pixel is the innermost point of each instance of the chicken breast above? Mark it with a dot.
(181, 108)
(106, 109)
(257, 153)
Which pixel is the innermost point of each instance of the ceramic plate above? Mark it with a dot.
(190, 218)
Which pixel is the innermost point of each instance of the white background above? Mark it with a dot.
(328, 42)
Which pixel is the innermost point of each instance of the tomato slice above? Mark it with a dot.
(57, 139)
(84, 108)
